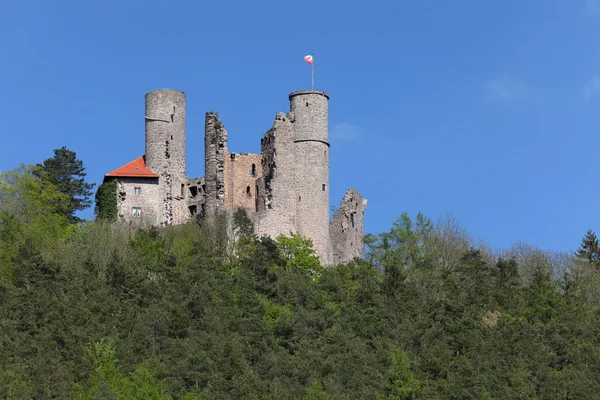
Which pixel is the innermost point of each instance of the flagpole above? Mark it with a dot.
(313, 74)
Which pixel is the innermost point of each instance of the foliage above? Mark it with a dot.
(106, 201)
(107, 311)
(67, 173)
(404, 383)
(589, 251)
(298, 254)
(31, 214)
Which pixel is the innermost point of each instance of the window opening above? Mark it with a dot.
(352, 219)
(136, 212)
(253, 170)
(193, 210)
(323, 186)
(137, 190)
(182, 190)
(248, 193)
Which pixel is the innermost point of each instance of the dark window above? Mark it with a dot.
(193, 191)
(323, 186)
(299, 198)
(253, 170)
(193, 210)
(182, 190)
(248, 191)
(352, 219)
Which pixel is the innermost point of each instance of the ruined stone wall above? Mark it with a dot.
(215, 147)
(195, 197)
(311, 132)
(165, 152)
(276, 202)
(346, 228)
(241, 173)
(148, 200)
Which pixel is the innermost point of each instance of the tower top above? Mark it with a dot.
(165, 90)
(304, 92)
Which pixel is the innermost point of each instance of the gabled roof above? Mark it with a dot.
(136, 168)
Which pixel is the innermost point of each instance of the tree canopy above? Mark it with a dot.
(67, 173)
(100, 310)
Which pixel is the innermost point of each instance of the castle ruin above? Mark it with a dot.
(285, 189)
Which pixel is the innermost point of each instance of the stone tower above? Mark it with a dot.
(311, 138)
(165, 153)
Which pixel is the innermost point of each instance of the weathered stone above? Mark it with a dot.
(346, 228)
(285, 189)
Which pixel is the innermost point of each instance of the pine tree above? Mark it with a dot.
(67, 173)
(590, 248)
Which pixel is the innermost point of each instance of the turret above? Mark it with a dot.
(165, 151)
(311, 138)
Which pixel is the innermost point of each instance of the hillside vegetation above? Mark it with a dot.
(94, 310)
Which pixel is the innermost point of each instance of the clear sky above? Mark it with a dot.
(484, 109)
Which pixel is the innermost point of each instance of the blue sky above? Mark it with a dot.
(484, 109)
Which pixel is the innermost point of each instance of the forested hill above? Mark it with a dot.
(93, 310)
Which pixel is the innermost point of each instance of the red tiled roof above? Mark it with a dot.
(136, 168)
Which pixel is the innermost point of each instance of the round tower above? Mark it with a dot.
(165, 153)
(165, 132)
(311, 141)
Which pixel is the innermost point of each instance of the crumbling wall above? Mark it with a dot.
(241, 172)
(276, 201)
(346, 228)
(215, 147)
(195, 188)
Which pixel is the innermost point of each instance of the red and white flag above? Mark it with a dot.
(309, 58)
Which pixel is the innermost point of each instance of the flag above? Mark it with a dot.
(309, 58)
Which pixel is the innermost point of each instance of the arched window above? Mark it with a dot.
(248, 191)
(253, 170)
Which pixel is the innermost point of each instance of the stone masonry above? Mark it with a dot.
(285, 189)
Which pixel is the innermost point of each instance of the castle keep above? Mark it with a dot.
(285, 189)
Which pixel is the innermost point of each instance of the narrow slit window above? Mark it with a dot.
(323, 187)
(248, 192)
(253, 170)
(182, 190)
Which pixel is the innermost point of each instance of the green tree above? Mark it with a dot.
(67, 173)
(299, 254)
(404, 383)
(31, 214)
(106, 201)
(589, 250)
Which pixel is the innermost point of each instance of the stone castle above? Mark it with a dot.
(285, 189)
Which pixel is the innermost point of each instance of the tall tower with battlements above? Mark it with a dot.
(165, 152)
(311, 144)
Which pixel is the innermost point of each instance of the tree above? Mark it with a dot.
(589, 249)
(405, 384)
(67, 173)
